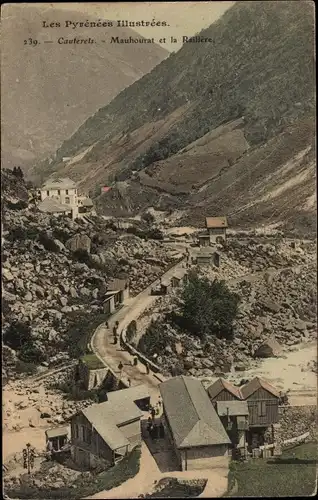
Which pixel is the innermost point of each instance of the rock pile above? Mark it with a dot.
(54, 267)
(297, 420)
(144, 260)
(51, 475)
(278, 307)
(31, 404)
(258, 254)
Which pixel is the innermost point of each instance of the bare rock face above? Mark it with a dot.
(270, 348)
(79, 242)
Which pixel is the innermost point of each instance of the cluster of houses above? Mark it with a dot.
(214, 234)
(202, 425)
(61, 197)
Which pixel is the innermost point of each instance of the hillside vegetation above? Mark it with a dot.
(251, 88)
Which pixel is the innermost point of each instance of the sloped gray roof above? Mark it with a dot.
(235, 408)
(117, 284)
(62, 183)
(134, 393)
(87, 202)
(192, 418)
(205, 252)
(57, 431)
(107, 417)
(51, 205)
(179, 274)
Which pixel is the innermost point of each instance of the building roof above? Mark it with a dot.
(215, 222)
(51, 205)
(166, 282)
(134, 393)
(62, 183)
(107, 417)
(255, 384)
(57, 431)
(192, 418)
(204, 235)
(221, 384)
(179, 274)
(205, 252)
(232, 408)
(117, 284)
(87, 202)
(110, 294)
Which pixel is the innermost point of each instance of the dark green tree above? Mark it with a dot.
(208, 308)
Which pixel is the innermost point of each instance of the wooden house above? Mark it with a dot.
(222, 390)
(57, 438)
(178, 278)
(204, 239)
(105, 433)
(262, 400)
(208, 257)
(234, 417)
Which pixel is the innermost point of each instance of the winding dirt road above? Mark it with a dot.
(111, 354)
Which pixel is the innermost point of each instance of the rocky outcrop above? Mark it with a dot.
(270, 348)
(275, 303)
(79, 242)
(297, 420)
(49, 275)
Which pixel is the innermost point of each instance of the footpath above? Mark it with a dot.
(111, 354)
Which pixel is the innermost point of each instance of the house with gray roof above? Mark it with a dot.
(106, 432)
(196, 431)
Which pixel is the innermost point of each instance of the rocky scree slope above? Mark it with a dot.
(67, 84)
(212, 129)
(278, 300)
(55, 275)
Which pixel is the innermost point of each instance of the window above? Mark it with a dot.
(48, 193)
(87, 435)
(262, 409)
(67, 199)
(66, 191)
(76, 431)
(59, 192)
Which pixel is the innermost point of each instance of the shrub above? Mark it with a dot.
(82, 256)
(148, 218)
(208, 307)
(48, 243)
(22, 367)
(17, 335)
(80, 332)
(30, 353)
(131, 331)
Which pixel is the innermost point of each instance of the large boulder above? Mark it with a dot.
(270, 305)
(269, 349)
(79, 242)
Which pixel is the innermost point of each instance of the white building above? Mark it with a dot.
(62, 190)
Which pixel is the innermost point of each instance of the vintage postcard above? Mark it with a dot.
(158, 232)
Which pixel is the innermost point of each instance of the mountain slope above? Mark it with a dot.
(50, 89)
(246, 94)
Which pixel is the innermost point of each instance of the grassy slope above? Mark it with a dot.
(260, 65)
(265, 478)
